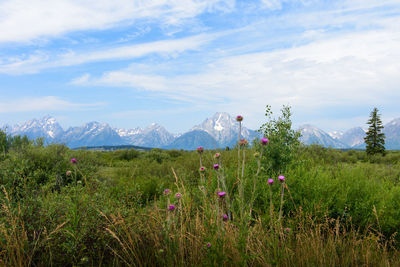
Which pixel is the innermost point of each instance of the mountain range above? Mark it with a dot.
(218, 131)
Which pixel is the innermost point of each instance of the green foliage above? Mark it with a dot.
(157, 155)
(375, 138)
(341, 209)
(4, 142)
(127, 154)
(283, 140)
(17, 142)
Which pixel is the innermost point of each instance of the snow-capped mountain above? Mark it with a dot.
(336, 134)
(128, 135)
(46, 127)
(312, 135)
(392, 132)
(6, 127)
(193, 139)
(225, 129)
(91, 134)
(353, 137)
(154, 135)
(218, 131)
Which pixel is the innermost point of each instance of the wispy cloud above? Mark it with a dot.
(39, 60)
(346, 70)
(24, 21)
(47, 103)
(315, 55)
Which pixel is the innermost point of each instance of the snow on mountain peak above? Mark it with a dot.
(217, 125)
(48, 120)
(395, 122)
(224, 128)
(128, 132)
(336, 134)
(45, 127)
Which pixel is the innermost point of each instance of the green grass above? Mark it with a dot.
(340, 208)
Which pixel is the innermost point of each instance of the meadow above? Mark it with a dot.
(324, 207)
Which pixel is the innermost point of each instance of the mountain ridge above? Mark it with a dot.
(217, 131)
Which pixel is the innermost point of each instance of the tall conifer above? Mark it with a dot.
(375, 138)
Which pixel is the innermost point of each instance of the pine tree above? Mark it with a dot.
(375, 138)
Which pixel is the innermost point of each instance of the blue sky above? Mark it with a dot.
(131, 62)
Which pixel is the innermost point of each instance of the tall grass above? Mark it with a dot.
(334, 209)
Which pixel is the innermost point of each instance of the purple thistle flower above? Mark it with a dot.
(216, 166)
(208, 245)
(171, 207)
(178, 195)
(225, 217)
(200, 149)
(167, 191)
(264, 141)
(239, 118)
(281, 178)
(270, 181)
(243, 142)
(202, 169)
(73, 161)
(217, 155)
(221, 194)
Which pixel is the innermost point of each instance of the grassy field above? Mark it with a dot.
(334, 208)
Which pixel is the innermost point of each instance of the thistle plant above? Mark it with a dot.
(264, 141)
(281, 179)
(202, 169)
(271, 205)
(222, 181)
(200, 150)
(239, 119)
(243, 143)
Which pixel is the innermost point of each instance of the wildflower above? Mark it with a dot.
(281, 178)
(270, 181)
(73, 161)
(202, 169)
(287, 230)
(224, 217)
(239, 118)
(167, 191)
(217, 155)
(200, 149)
(208, 245)
(216, 166)
(171, 207)
(221, 194)
(68, 173)
(178, 195)
(243, 142)
(264, 141)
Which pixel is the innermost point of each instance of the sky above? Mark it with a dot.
(176, 62)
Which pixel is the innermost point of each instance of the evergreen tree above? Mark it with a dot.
(375, 139)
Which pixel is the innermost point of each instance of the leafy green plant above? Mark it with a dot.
(283, 140)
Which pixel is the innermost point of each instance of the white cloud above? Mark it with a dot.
(346, 70)
(46, 103)
(40, 60)
(278, 4)
(22, 21)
